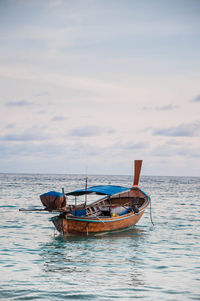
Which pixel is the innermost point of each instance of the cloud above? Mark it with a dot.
(21, 137)
(41, 94)
(13, 149)
(89, 131)
(182, 130)
(168, 107)
(131, 146)
(58, 118)
(171, 149)
(196, 99)
(18, 103)
(10, 126)
(27, 135)
(55, 3)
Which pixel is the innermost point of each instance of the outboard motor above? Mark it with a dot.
(135, 206)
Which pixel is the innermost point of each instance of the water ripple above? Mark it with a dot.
(145, 262)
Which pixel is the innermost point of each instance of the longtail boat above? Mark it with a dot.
(117, 209)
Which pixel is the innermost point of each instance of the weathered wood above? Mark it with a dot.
(138, 165)
(103, 224)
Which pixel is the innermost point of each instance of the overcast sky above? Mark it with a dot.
(95, 84)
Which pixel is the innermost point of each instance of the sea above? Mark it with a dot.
(157, 259)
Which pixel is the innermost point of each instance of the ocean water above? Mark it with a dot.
(146, 262)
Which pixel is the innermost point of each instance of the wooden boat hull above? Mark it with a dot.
(92, 223)
(86, 226)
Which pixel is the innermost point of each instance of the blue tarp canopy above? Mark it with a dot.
(102, 190)
(53, 193)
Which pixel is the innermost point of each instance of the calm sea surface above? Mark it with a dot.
(159, 262)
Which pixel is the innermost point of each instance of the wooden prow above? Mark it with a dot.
(138, 165)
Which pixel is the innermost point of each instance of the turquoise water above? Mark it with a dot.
(147, 262)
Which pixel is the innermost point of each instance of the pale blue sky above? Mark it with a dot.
(100, 83)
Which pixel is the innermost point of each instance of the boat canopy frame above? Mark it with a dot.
(100, 190)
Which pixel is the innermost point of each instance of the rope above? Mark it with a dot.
(151, 214)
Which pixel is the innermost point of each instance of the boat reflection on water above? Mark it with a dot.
(96, 258)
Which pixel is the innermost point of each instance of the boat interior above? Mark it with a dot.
(109, 207)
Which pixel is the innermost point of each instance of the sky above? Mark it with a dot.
(88, 86)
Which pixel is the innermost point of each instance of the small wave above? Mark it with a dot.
(8, 206)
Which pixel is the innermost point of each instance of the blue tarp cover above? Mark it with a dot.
(102, 190)
(53, 193)
(79, 212)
